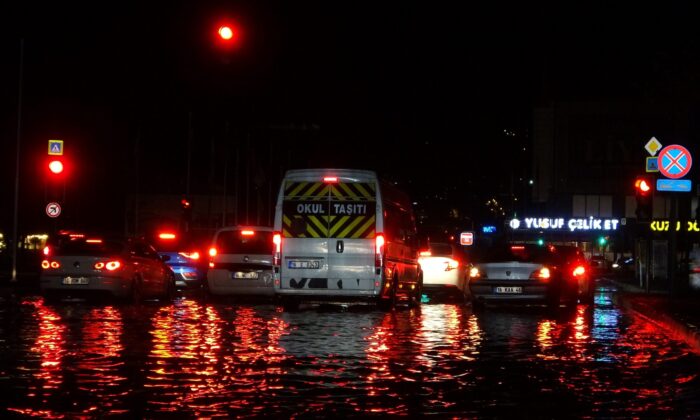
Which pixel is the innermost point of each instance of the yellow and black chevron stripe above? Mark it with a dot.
(306, 191)
(354, 191)
(309, 211)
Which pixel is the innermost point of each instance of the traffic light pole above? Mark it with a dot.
(673, 246)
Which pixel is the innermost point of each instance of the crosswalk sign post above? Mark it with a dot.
(55, 147)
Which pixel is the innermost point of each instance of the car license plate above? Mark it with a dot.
(76, 280)
(245, 275)
(509, 289)
(304, 264)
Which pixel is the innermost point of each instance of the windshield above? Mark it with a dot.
(236, 242)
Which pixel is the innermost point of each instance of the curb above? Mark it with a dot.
(678, 329)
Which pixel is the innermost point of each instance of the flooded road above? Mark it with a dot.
(193, 358)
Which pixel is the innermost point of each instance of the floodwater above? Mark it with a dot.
(192, 358)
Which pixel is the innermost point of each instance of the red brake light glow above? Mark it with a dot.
(247, 232)
(55, 264)
(47, 250)
(544, 273)
(579, 271)
(330, 179)
(277, 253)
(474, 273)
(166, 235)
(191, 255)
(379, 250)
(517, 247)
(45, 264)
(212, 252)
(99, 265)
(94, 241)
(113, 265)
(425, 253)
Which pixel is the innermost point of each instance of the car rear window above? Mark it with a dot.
(517, 253)
(88, 247)
(437, 249)
(235, 242)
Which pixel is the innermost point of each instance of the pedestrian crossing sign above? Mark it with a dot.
(55, 147)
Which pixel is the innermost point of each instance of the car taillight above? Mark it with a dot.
(247, 232)
(451, 264)
(579, 271)
(191, 255)
(212, 252)
(425, 253)
(542, 274)
(277, 252)
(47, 250)
(166, 235)
(378, 250)
(113, 265)
(46, 264)
(474, 273)
(109, 265)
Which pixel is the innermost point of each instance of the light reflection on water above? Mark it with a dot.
(218, 360)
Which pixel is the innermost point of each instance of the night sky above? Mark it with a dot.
(422, 92)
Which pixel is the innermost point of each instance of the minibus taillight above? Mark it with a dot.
(579, 271)
(330, 179)
(378, 250)
(277, 253)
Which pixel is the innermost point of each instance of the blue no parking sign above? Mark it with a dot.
(674, 161)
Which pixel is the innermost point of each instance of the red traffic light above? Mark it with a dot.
(642, 185)
(56, 167)
(225, 32)
(185, 203)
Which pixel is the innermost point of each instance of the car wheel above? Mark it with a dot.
(589, 293)
(170, 291)
(553, 299)
(417, 295)
(390, 303)
(136, 294)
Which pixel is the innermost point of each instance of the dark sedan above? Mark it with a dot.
(521, 273)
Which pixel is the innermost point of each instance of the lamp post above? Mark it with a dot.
(17, 161)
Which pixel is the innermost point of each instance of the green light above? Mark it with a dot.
(602, 241)
(540, 242)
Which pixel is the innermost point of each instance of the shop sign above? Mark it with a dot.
(573, 224)
(665, 225)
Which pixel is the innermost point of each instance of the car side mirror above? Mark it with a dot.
(165, 258)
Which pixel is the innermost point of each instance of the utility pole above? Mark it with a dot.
(17, 161)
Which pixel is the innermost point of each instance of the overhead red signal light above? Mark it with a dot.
(225, 32)
(642, 185)
(56, 167)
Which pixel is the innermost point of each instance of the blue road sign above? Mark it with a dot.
(652, 164)
(675, 161)
(674, 185)
(56, 147)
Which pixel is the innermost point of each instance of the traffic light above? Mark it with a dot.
(540, 242)
(643, 192)
(602, 241)
(56, 166)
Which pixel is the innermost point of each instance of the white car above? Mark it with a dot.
(240, 262)
(444, 269)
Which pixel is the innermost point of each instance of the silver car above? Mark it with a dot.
(240, 262)
(79, 264)
(523, 273)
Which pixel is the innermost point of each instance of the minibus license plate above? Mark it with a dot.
(75, 280)
(304, 264)
(245, 275)
(509, 289)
